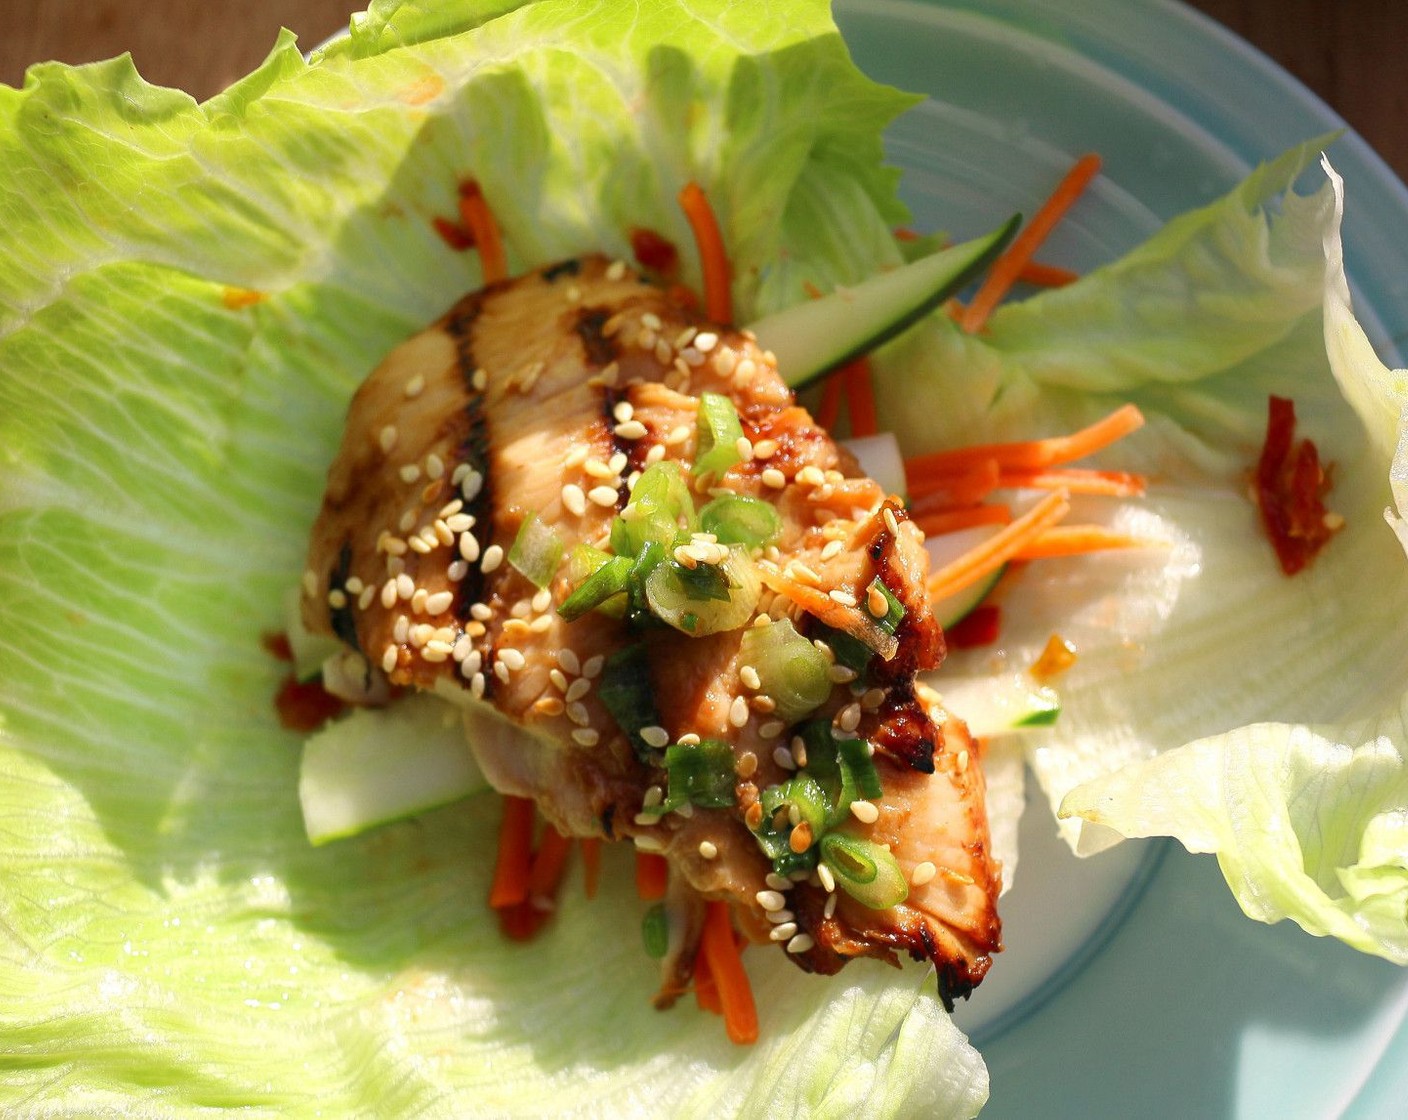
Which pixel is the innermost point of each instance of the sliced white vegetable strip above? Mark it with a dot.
(879, 457)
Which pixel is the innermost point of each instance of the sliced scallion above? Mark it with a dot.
(894, 613)
(738, 519)
(699, 601)
(864, 870)
(603, 583)
(536, 551)
(855, 756)
(719, 433)
(661, 509)
(850, 652)
(700, 774)
(792, 671)
(625, 692)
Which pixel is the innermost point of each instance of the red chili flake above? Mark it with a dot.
(979, 627)
(453, 234)
(305, 707)
(654, 252)
(276, 644)
(1291, 484)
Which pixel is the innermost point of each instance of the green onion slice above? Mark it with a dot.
(603, 583)
(704, 600)
(894, 615)
(855, 756)
(719, 433)
(864, 870)
(701, 774)
(792, 671)
(536, 551)
(661, 509)
(851, 652)
(738, 519)
(655, 931)
(625, 692)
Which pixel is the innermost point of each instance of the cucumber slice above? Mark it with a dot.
(948, 547)
(813, 337)
(309, 650)
(382, 764)
(879, 457)
(1007, 704)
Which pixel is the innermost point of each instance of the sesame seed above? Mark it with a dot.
(435, 651)
(779, 917)
(434, 467)
(574, 499)
(644, 843)
(744, 446)
(541, 625)
(772, 901)
(744, 371)
(841, 674)
(409, 473)
(651, 320)
(415, 386)
(705, 341)
(865, 812)
(829, 911)
(828, 880)
(401, 630)
(604, 496)
(513, 658)
(962, 761)
(749, 676)
(777, 882)
(764, 703)
(922, 873)
(615, 270)
(738, 712)
(472, 483)
(591, 669)
(784, 932)
(655, 454)
(479, 380)
(578, 688)
(765, 449)
(685, 557)
(723, 361)
(576, 457)
(872, 699)
(623, 411)
(876, 603)
(677, 435)
(388, 658)
(774, 478)
(772, 729)
(811, 476)
(631, 429)
(550, 706)
(418, 600)
(337, 599)
(420, 545)
(800, 944)
(405, 586)
(493, 557)
(393, 546)
(655, 736)
(848, 718)
(476, 685)
(501, 671)
(440, 602)
(577, 713)
(783, 757)
(457, 570)
(386, 438)
(708, 849)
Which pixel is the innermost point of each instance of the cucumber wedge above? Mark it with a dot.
(879, 457)
(1006, 704)
(943, 550)
(813, 337)
(309, 650)
(382, 764)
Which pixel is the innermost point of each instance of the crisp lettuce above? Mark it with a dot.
(1309, 822)
(190, 294)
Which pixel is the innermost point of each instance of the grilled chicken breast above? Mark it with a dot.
(546, 397)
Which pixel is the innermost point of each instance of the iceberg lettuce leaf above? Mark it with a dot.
(191, 293)
(1309, 822)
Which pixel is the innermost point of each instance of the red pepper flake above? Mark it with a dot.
(1291, 484)
(979, 627)
(305, 707)
(453, 234)
(654, 252)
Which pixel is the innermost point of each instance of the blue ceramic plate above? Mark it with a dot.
(1135, 986)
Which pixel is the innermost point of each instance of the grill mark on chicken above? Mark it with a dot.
(600, 350)
(340, 618)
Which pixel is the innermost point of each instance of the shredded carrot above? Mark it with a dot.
(515, 858)
(720, 951)
(1008, 267)
(951, 520)
(830, 408)
(965, 486)
(1046, 275)
(1074, 540)
(475, 213)
(549, 862)
(1117, 484)
(591, 864)
(521, 921)
(1032, 454)
(713, 258)
(1001, 547)
(652, 875)
(860, 397)
(706, 992)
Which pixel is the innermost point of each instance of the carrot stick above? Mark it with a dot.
(860, 397)
(549, 862)
(951, 520)
(726, 967)
(1118, 484)
(1000, 547)
(521, 921)
(1008, 267)
(591, 864)
(830, 408)
(1032, 454)
(713, 259)
(1046, 275)
(706, 992)
(652, 875)
(963, 486)
(1075, 540)
(515, 858)
(475, 213)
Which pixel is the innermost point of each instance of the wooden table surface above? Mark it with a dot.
(1350, 52)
